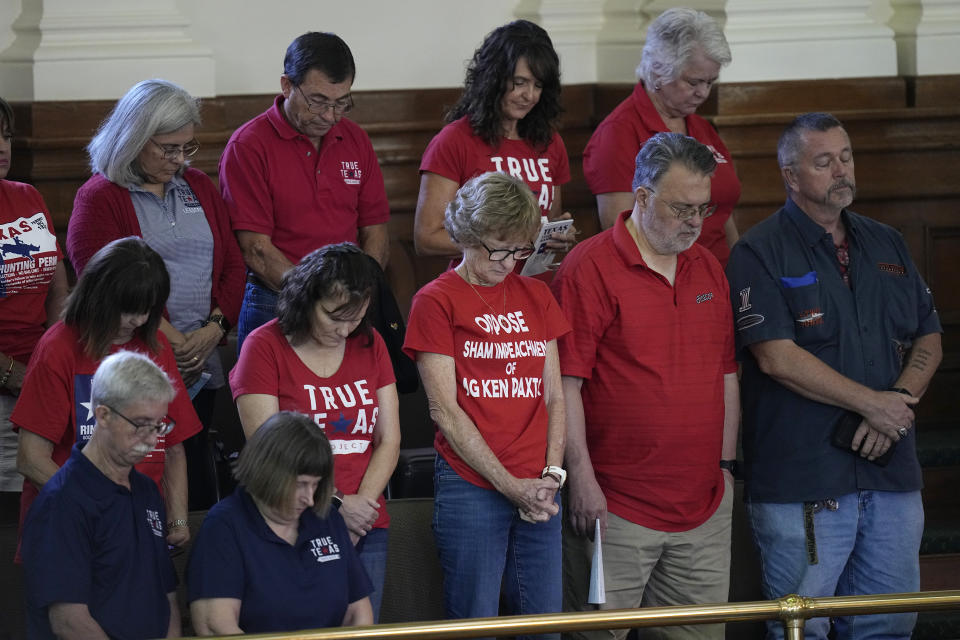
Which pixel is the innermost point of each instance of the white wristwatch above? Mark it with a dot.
(558, 473)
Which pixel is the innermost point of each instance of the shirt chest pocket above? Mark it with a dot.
(803, 296)
(340, 182)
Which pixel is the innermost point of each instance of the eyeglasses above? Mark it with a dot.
(320, 107)
(161, 428)
(686, 211)
(499, 255)
(171, 151)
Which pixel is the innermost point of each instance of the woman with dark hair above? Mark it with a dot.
(682, 57)
(485, 342)
(33, 284)
(117, 304)
(506, 121)
(272, 556)
(321, 357)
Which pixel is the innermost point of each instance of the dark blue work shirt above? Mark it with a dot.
(90, 541)
(786, 283)
(280, 587)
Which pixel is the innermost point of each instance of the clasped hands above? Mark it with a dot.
(359, 513)
(885, 423)
(534, 498)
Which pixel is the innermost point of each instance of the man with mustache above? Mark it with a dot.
(94, 552)
(835, 328)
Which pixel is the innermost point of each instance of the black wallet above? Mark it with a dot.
(843, 437)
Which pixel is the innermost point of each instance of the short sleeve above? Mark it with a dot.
(430, 328)
(372, 205)
(588, 309)
(609, 159)
(214, 569)
(44, 404)
(446, 155)
(243, 184)
(257, 369)
(385, 375)
(57, 552)
(760, 311)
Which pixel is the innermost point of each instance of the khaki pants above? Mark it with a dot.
(644, 567)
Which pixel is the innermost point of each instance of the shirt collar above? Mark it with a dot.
(259, 524)
(647, 112)
(95, 483)
(287, 131)
(811, 232)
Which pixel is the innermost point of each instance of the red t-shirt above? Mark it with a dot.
(344, 405)
(276, 183)
(652, 357)
(55, 399)
(29, 255)
(610, 159)
(457, 154)
(499, 358)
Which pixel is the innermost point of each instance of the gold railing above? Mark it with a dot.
(792, 610)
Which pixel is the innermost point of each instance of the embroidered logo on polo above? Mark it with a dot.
(704, 297)
(188, 199)
(893, 269)
(324, 549)
(810, 318)
(351, 172)
(153, 520)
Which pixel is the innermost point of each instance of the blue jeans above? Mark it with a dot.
(869, 544)
(373, 556)
(483, 543)
(259, 307)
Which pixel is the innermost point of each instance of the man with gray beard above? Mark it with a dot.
(94, 549)
(651, 396)
(839, 338)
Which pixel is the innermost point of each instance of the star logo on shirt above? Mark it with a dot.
(89, 407)
(340, 425)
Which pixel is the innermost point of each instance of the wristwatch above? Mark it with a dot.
(220, 321)
(732, 466)
(557, 473)
(337, 499)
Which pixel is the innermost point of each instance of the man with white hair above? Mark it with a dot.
(94, 548)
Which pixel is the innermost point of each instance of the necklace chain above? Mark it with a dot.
(484, 300)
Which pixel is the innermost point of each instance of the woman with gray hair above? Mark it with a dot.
(681, 61)
(485, 342)
(142, 185)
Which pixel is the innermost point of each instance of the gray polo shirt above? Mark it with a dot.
(177, 228)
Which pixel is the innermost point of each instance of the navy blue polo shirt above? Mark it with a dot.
(91, 541)
(785, 283)
(281, 587)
